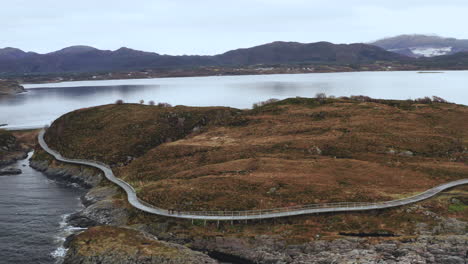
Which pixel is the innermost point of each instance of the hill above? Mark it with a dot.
(89, 59)
(292, 152)
(320, 52)
(281, 153)
(422, 45)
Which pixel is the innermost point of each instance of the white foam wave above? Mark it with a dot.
(65, 231)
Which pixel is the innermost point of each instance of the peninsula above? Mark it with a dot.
(286, 153)
(10, 87)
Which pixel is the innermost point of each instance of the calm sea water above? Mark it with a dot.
(32, 213)
(45, 102)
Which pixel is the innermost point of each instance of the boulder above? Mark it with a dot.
(10, 171)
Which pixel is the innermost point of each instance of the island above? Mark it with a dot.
(281, 154)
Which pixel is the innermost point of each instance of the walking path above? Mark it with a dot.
(252, 214)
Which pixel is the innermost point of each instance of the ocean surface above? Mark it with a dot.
(44, 103)
(32, 216)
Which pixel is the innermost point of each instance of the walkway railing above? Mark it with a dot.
(248, 214)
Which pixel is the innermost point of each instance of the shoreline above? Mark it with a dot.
(36, 84)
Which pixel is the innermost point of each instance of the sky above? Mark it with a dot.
(207, 27)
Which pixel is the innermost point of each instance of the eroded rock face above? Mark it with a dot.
(424, 249)
(104, 212)
(10, 149)
(10, 87)
(68, 174)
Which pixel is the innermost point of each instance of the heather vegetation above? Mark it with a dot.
(116, 134)
(282, 153)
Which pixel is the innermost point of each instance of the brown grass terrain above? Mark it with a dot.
(296, 151)
(404, 222)
(115, 134)
(105, 244)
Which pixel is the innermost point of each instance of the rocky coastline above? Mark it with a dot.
(11, 150)
(8, 87)
(105, 208)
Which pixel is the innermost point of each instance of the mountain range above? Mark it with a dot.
(89, 59)
(401, 49)
(423, 45)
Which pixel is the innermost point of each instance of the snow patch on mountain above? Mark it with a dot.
(431, 52)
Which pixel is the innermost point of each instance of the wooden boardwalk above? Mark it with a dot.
(251, 214)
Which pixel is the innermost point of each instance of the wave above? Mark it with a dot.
(65, 231)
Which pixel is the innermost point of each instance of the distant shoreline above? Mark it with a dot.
(138, 77)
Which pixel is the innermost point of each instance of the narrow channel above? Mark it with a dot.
(32, 213)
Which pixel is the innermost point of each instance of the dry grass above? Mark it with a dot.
(296, 151)
(102, 240)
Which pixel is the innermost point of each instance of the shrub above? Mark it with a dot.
(164, 105)
(321, 96)
(269, 101)
(119, 102)
(362, 98)
(142, 101)
(424, 100)
(151, 102)
(437, 99)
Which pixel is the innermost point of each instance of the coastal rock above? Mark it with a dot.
(110, 245)
(69, 174)
(10, 171)
(14, 157)
(104, 212)
(10, 87)
(97, 194)
(424, 249)
(10, 149)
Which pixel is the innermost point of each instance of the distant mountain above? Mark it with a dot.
(422, 45)
(89, 59)
(320, 52)
(452, 61)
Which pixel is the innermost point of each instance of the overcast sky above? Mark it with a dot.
(215, 26)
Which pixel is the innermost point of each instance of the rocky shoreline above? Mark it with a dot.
(11, 149)
(445, 243)
(8, 87)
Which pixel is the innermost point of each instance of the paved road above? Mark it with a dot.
(247, 215)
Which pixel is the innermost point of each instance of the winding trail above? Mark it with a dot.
(252, 214)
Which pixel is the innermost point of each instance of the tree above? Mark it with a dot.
(321, 96)
(119, 102)
(151, 102)
(142, 101)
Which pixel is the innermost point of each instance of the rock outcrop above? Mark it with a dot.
(69, 174)
(10, 87)
(101, 209)
(10, 171)
(423, 249)
(120, 245)
(10, 149)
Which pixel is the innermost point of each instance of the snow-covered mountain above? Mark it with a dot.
(422, 45)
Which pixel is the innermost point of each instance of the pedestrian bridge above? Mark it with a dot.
(248, 214)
